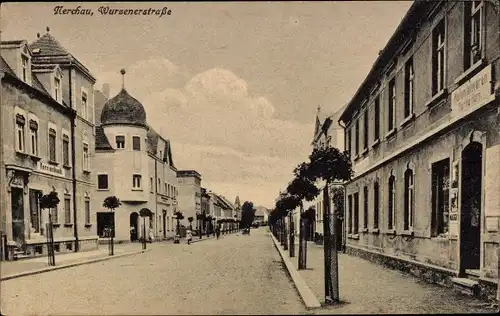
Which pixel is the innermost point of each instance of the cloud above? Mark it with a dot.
(218, 128)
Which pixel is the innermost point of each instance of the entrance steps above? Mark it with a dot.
(468, 285)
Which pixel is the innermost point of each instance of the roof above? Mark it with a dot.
(123, 109)
(51, 51)
(152, 142)
(101, 141)
(405, 28)
(188, 173)
(35, 84)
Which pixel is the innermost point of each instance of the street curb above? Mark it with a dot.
(69, 265)
(310, 300)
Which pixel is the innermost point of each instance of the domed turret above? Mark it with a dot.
(123, 109)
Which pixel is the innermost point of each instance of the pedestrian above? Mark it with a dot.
(151, 235)
(189, 236)
(217, 232)
(133, 234)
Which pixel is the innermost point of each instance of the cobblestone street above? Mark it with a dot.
(234, 275)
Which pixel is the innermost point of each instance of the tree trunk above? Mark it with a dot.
(292, 235)
(301, 239)
(330, 250)
(285, 234)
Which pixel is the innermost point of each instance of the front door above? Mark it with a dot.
(17, 203)
(164, 225)
(34, 210)
(470, 216)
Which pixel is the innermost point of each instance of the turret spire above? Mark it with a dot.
(123, 72)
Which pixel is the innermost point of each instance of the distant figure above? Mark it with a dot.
(217, 232)
(189, 236)
(151, 235)
(133, 234)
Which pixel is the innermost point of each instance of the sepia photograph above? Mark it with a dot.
(250, 158)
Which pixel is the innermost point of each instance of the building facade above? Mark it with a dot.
(423, 133)
(189, 198)
(135, 164)
(46, 146)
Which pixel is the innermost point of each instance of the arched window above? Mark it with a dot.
(409, 195)
(376, 204)
(391, 202)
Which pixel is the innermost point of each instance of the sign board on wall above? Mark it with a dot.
(474, 93)
(50, 169)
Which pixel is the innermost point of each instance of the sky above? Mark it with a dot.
(235, 86)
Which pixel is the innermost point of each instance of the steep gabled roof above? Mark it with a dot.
(101, 141)
(48, 46)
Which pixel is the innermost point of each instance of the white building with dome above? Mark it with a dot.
(134, 163)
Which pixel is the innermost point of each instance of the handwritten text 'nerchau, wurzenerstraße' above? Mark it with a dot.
(106, 10)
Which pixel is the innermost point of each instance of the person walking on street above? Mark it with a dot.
(217, 232)
(189, 236)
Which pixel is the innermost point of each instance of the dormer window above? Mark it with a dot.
(57, 89)
(120, 141)
(25, 67)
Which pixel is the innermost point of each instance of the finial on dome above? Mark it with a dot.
(123, 72)
(48, 29)
(38, 35)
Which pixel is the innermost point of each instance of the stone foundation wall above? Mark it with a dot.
(429, 274)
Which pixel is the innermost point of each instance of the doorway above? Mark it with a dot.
(164, 224)
(134, 218)
(105, 220)
(34, 210)
(470, 212)
(17, 204)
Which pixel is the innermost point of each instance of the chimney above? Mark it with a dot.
(105, 90)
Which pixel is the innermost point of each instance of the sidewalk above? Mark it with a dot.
(9, 268)
(368, 288)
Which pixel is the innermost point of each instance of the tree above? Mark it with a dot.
(190, 220)
(304, 189)
(200, 218)
(111, 203)
(50, 201)
(328, 164)
(247, 214)
(179, 217)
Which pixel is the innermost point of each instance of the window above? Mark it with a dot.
(473, 45)
(356, 140)
(166, 189)
(440, 197)
(57, 89)
(409, 87)
(102, 182)
(158, 187)
(136, 181)
(438, 66)
(391, 117)
(136, 143)
(86, 165)
(376, 205)
(20, 123)
(84, 105)
(356, 213)
(392, 202)
(120, 141)
(55, 216)
(409, 198)
(365, 208)
(67, 210)
(348, 142)
(25, 64)
(87, 211)
(52, 144)
(65, 149)
(365, 130)
(34, 137)
(151, 184)
(376, 131)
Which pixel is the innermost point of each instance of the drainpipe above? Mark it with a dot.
(3, 222)
(156, 193)
(73, 158)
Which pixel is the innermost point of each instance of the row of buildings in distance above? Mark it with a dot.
(61, 134)
(423, 133)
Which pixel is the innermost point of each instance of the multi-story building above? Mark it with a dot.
(189, 198)
(327, 133)
(423, 133)
(133, 163)
(47, 137)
